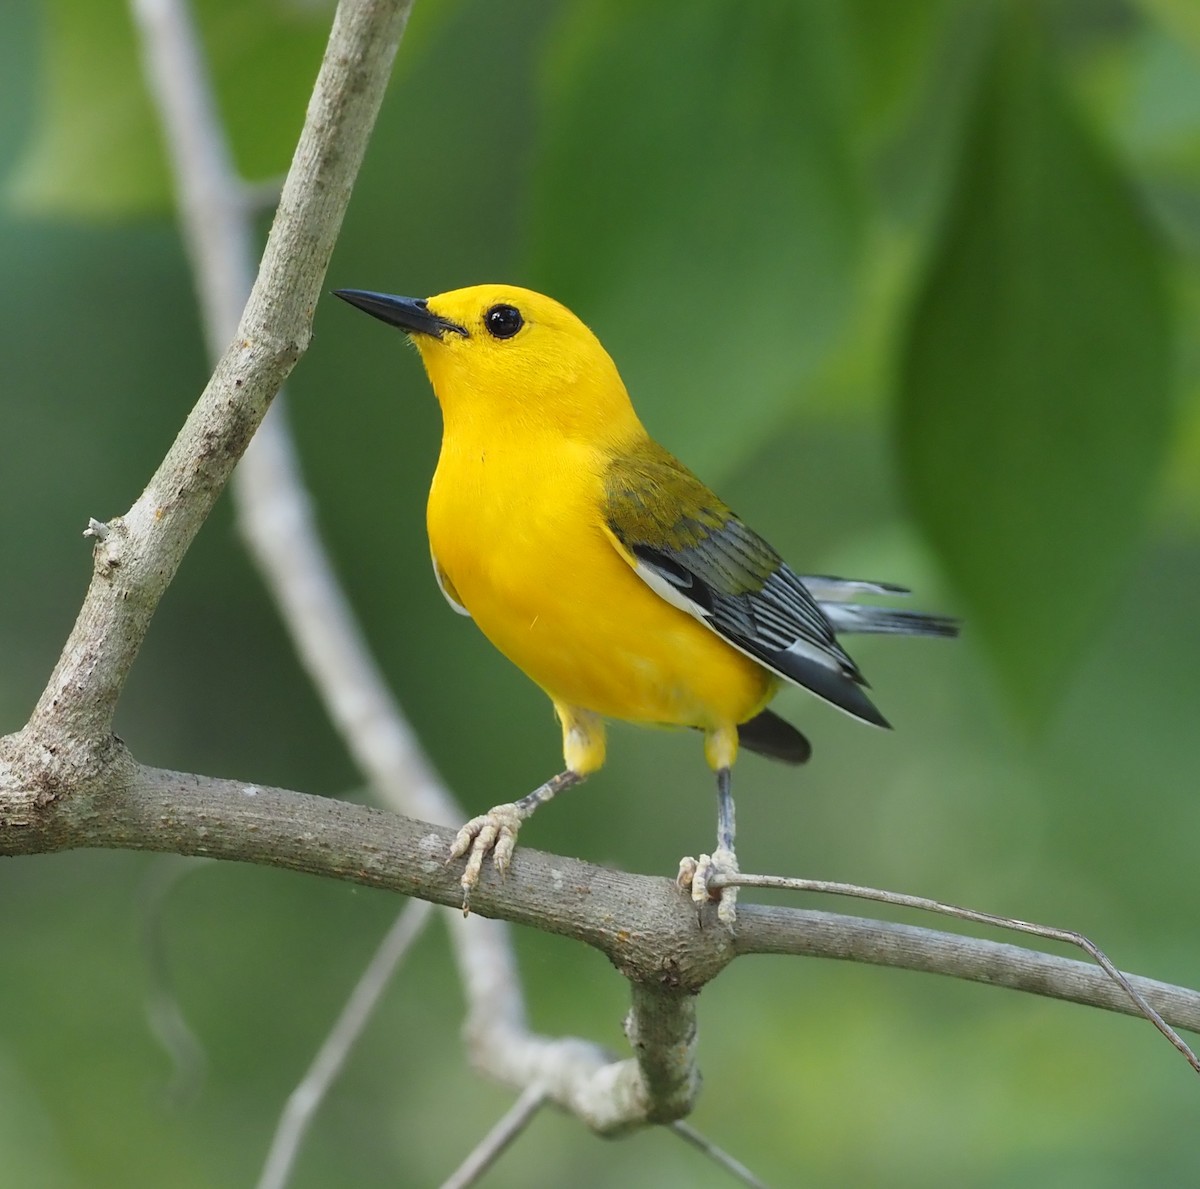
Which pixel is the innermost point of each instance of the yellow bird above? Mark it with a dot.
(603, 568)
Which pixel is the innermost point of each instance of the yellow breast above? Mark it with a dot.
(519, 535)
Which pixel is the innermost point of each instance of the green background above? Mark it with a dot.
(917, 286)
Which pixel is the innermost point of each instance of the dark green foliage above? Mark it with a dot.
(1036, 383)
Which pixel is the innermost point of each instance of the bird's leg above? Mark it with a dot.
(726, 826)
(495, 832)
(694, 874)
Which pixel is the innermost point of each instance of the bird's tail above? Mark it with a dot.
(769, 735)
(831, 595)
(864, 619)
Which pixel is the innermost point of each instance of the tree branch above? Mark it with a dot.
(925, 904)
(646, 927)
(764, 929)
(492, 1146)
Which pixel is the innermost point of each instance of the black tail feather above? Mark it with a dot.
(858, 617)
(769, 735)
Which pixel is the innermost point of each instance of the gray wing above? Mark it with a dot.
(736, 584)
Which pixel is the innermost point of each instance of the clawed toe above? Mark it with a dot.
(696, 874)
(687, 873)
(493, 833)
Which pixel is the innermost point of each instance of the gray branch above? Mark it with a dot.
(303, 1101)
(648, 929)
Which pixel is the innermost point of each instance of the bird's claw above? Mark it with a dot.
(687, 872)
(494, 833)
(695, 874)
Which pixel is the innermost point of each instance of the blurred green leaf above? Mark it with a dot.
(1034, 405)
(96, 151)
(893, 45)
(1159, 130)
(1181, 488)
(706, 218)
(1181, 18)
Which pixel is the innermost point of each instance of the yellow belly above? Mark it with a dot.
(529, 559)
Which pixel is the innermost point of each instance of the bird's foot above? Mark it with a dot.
(494, 833)
(694, 877)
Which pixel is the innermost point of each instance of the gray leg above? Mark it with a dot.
(694, 874)
(725, 822)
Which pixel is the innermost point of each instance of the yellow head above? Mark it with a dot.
(503, 357)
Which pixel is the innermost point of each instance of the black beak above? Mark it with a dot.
(409, 313)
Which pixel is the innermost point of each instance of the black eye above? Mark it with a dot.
(503, 322)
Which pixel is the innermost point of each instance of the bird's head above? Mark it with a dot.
(498, 354)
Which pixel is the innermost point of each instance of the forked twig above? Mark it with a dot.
(924, 904)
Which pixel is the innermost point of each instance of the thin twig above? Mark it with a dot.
(303, 1101)
(717, 1155)
(924, 904)
(493, 1145)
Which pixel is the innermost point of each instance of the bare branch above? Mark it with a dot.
(776, 930)
(647, 928)
(661, 1027)
(494, 1144)
(277, 521)
(304, 1100)
(209, 195)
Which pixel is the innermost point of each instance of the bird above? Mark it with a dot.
(602, 567)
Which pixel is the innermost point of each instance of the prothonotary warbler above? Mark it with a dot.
(603, 568)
